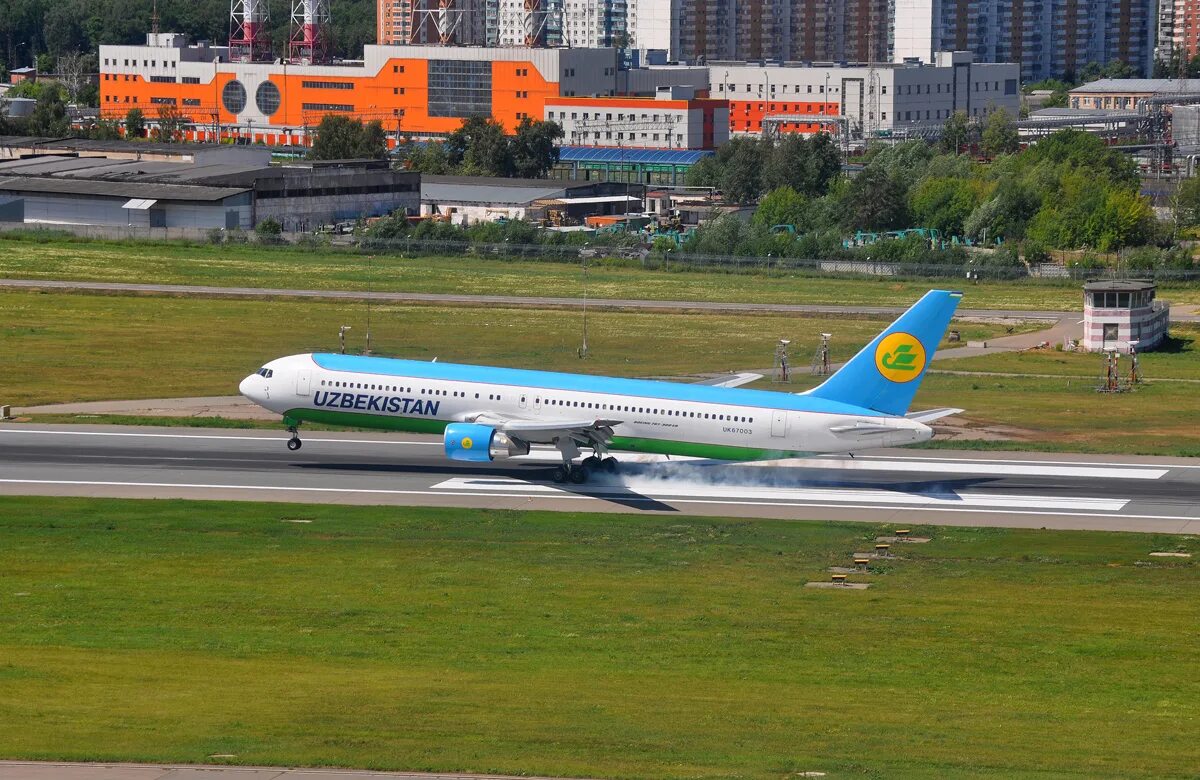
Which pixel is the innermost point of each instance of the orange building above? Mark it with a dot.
(413, 90)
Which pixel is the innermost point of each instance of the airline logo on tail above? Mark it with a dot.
(900, 357)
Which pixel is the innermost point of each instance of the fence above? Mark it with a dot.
(618, 255)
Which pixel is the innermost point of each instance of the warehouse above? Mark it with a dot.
(99, 191)
(465, 200)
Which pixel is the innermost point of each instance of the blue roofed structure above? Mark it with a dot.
(634, 165)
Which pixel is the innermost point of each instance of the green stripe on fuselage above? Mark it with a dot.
(359, 420)
(619, 443)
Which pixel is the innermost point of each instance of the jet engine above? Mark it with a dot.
(480, 443)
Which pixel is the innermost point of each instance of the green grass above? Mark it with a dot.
(1178, 359)
(255, 266)
(65, 347)
(587, 645)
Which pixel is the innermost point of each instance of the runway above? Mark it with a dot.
(936, 487)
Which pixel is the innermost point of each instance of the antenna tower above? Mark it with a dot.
(309, 41)
(249, 30)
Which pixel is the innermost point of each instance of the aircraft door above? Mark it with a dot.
(778, 424)
(303, 380)
(524, 400)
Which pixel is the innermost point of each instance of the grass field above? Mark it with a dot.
(252, 266)
(588, 645)
(64, 347)
(1178, 359)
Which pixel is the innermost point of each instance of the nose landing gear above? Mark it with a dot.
(294, 443)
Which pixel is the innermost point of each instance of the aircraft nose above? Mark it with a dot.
(252, 388)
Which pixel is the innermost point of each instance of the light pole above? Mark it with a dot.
(342, 337)
(583, 350)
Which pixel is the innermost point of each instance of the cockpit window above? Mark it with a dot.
(265, 373)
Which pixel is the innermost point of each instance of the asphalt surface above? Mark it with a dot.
(52, 770)
(902, 486)
(514, 301)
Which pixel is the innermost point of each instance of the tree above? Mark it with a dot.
(534, 148)
(1187, 202)
(50, 115)
(956, 133)
(874, 201)
(342, 138)
(944, 203)
(740, 179)
(423, 157)
(105, 130)
(269, 231)
(807, 165)
(1000, 134)
(135, 123)
(480, 148)
(783, 206)
(73, 68)
(171, 124)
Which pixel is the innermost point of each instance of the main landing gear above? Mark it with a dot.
(578, 474)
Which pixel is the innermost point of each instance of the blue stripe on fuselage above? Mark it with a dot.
(583, 383)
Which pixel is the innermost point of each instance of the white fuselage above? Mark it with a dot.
(649, 416)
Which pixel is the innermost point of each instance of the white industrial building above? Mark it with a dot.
(866, 99)
(673, 119)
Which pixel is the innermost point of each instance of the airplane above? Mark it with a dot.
(485, 413)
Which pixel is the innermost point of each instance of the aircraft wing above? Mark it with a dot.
(584, 430)
(730, 380)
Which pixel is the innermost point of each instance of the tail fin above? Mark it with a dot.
(884, 376)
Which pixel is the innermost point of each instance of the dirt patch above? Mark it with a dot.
(959, 428)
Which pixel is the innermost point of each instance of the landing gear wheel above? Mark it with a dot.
(561, 474)
(579, 474)
(294, 443)
(610, 465)
(591, 462)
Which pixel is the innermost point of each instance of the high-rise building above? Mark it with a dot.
(842, 30)
(459, 22)
(808, 30)
(1178, 28)
(1049, 38)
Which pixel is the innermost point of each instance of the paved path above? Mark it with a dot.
(512, 300)
(1018, 490)
(53, 770)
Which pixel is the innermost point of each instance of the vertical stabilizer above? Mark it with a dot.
(885, 374)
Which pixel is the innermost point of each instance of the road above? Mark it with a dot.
(909, 487)
(514, 301)
(52, 770)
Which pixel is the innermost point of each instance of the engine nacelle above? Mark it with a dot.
(480, 443)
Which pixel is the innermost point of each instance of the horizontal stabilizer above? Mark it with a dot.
(932, 414)
(731, 380)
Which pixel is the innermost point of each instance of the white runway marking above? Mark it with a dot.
(667, 491)
(565, 496)
(265, 437)
(1008, 468)
(910, 464)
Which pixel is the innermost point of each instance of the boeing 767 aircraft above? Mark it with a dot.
(486, 413)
